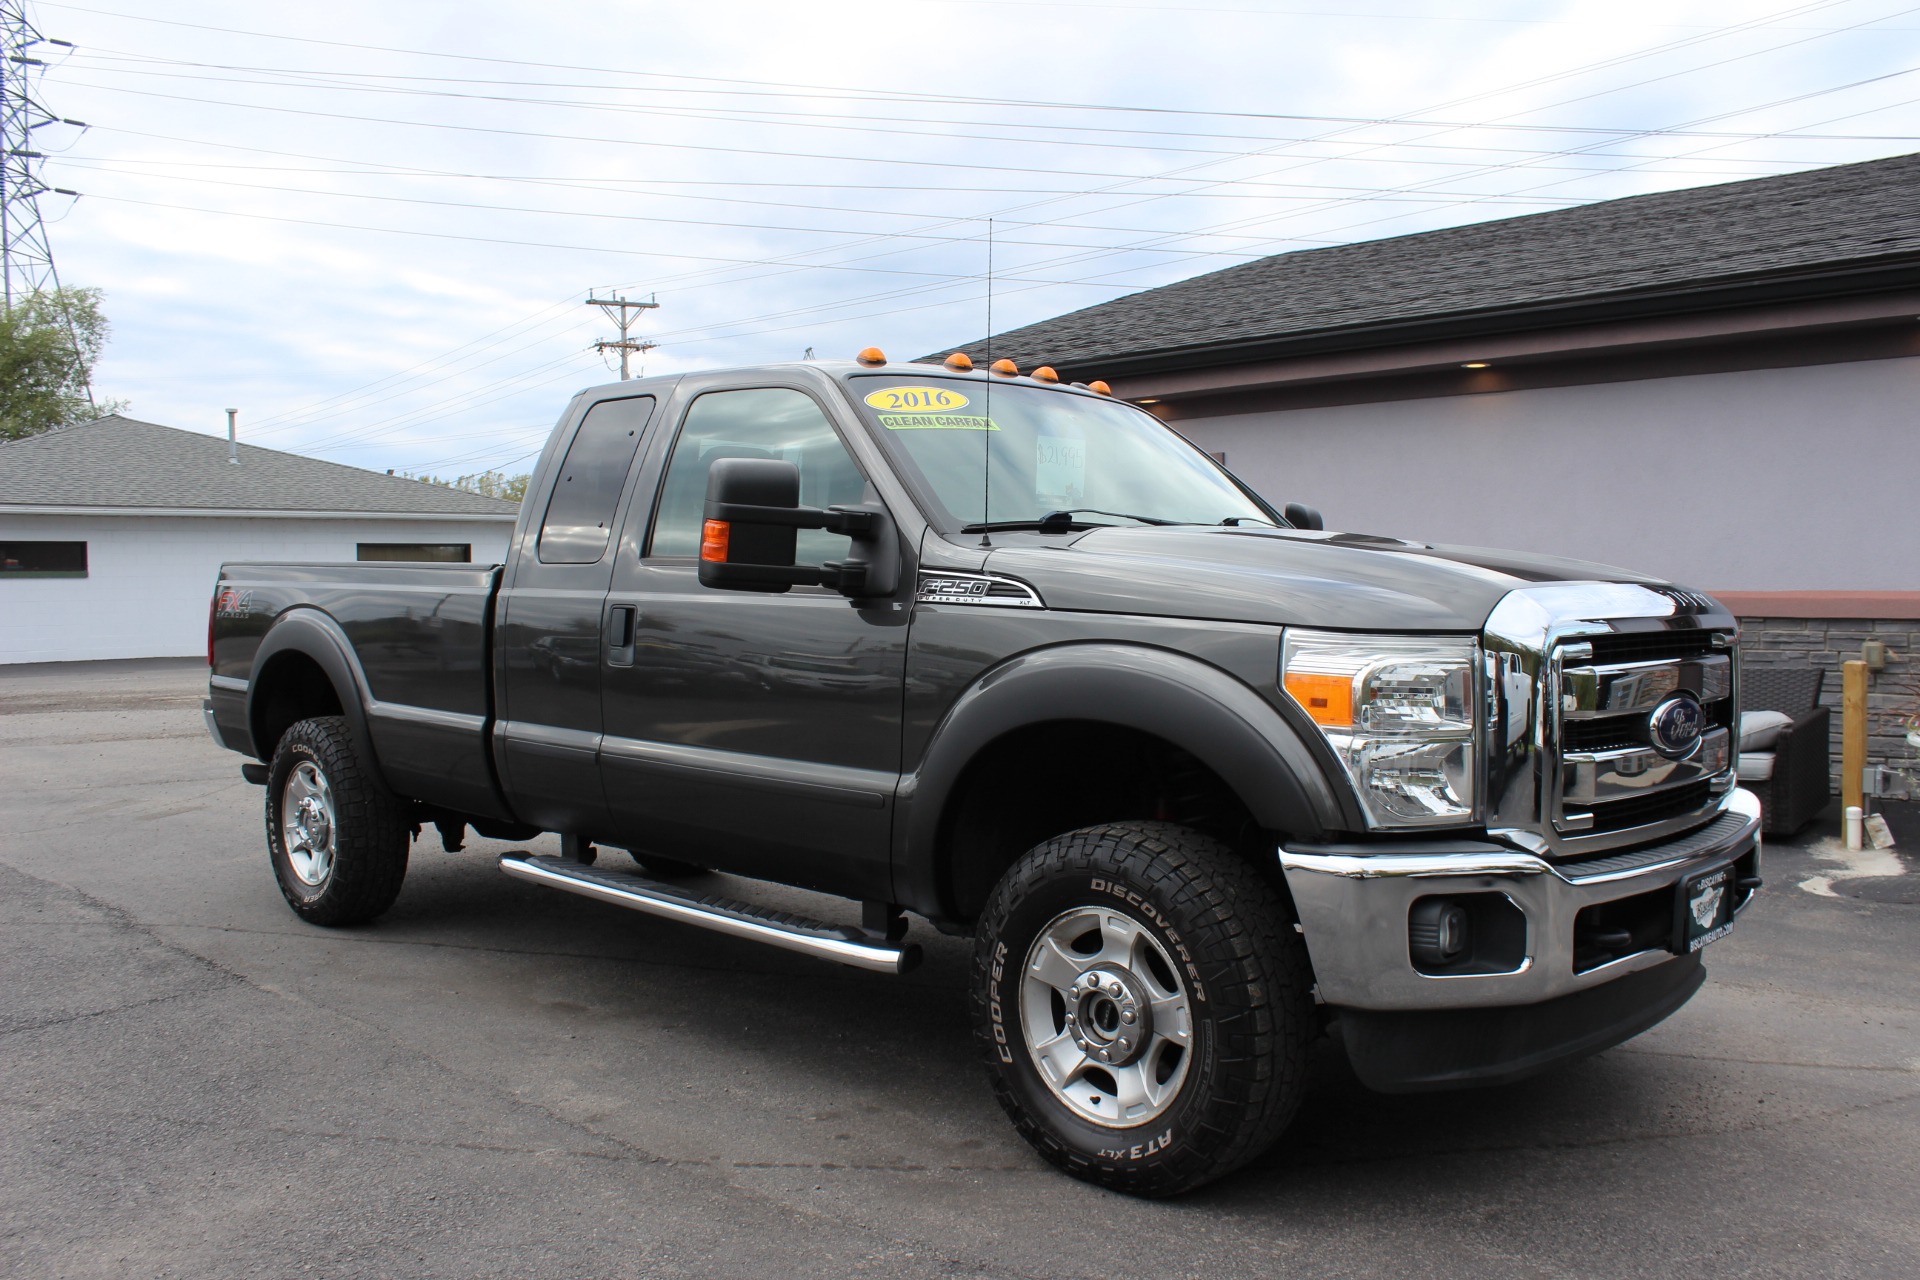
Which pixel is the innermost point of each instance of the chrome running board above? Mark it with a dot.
(847, 945)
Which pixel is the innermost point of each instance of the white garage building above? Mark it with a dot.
(111, 533)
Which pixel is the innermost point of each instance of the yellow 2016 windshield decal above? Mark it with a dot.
(917, 400)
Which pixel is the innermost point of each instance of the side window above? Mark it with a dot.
(580, 513)
(764, 422)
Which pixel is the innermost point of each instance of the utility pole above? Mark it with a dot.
(624, 319)
(26, 260)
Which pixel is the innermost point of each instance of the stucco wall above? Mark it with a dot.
(149, 578)
(1769, 480)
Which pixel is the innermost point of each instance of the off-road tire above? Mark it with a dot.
(369, 859)
(1247, 985)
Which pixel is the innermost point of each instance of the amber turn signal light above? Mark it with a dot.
(1045, 373)
(716, 539)
(872, 355)
(1099, 388)
(960, 362)
(1005, 368)
(1328, 699)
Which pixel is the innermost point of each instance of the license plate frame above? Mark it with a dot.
(1703, 909)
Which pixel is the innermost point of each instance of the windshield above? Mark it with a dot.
(1105, 462)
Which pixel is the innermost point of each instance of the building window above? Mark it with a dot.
(43, 559)
(438, 552)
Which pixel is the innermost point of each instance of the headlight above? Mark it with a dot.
(1399, 712)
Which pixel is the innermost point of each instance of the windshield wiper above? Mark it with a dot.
(1064, 522)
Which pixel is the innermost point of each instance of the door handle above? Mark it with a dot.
(621, 619)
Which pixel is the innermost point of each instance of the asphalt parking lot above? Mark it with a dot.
(498, 1080)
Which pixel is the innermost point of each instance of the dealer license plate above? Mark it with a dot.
(1706, 910)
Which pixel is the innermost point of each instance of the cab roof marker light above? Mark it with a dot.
(1005, 368)
(1099, 388)
(1045, 373)
(960, 362)
(873, 356)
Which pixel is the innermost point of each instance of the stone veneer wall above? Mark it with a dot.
(1892, 694)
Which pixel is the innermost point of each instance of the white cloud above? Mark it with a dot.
(274, 291)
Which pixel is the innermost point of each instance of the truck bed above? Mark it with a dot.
(417, 639)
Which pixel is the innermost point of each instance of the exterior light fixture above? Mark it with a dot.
(1146, 402)
(1474, 364)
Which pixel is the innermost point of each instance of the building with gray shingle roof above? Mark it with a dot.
(1821, 233)
(118, 461)
(1716, 384)
(111, 532)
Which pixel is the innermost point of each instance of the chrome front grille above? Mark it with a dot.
(1577, 674)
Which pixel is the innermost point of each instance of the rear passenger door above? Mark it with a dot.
(552, 616)
(755, 732)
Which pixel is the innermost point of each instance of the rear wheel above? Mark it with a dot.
(334, 832)
(1142, 1002)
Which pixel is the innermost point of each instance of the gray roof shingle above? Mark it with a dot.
(1816, 220)
(120, 462)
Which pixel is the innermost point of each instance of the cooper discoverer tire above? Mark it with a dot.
(1142, 1002)
(334, 832)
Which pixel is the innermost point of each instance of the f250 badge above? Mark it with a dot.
(233, 604)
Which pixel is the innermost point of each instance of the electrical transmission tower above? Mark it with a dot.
(26, 260)
(624, 319)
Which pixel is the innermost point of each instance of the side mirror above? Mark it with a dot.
(1302, 516)
(752, 515)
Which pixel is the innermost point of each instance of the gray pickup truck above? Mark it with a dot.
(1201, 780)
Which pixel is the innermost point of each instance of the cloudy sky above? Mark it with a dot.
(372, 227)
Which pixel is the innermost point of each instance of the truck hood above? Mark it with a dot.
(1284, 577)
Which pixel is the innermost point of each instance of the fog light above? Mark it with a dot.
(1437, 931)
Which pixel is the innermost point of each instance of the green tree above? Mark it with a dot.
(49, 342)
(493, 484)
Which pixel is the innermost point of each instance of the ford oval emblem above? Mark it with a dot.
(1675, 725)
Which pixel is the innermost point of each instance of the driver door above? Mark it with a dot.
(749, 731)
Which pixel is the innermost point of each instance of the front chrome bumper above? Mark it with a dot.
(1354, 902)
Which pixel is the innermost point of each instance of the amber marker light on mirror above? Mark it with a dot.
(1005, 368)
(716, 538)
(872, 355)
(1045, 373)
(1328, 699)
(960, 362)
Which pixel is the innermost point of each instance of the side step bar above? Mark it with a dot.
(849, 946)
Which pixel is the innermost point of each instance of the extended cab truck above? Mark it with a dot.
(1202, 781)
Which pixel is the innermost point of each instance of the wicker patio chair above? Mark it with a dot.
(1798, 787)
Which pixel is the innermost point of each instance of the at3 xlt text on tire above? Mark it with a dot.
(1142, 1002)
(356, 826)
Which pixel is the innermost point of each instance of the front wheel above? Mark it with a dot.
(334, 832)
(1142, 1002)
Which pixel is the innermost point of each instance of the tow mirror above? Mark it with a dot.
(752, 517)
(1302, 516)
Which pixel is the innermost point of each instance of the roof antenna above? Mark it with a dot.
(233, 439)
(986, 409)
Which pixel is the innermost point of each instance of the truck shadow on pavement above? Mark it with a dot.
(810, 1033)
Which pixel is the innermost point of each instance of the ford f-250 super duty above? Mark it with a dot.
(1201, 780)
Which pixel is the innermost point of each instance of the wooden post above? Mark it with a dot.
(1853, 732)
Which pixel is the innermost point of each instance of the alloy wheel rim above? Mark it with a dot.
(309, 825)
(1104, 1012)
